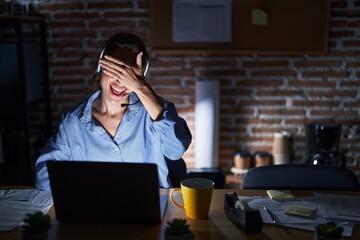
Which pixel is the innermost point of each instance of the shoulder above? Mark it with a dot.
(82, 111)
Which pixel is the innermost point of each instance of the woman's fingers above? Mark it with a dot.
(130, 76)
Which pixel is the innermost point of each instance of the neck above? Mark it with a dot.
(110, 109)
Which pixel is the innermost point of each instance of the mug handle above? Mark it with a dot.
(173, 200)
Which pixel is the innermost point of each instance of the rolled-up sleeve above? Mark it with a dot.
(175, 136)
(55, 149)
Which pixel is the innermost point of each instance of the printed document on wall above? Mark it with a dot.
(201, 20)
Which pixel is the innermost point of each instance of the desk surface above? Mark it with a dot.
(217, 226)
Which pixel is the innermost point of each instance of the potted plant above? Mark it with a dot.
(178, 229)
(36, 226)
(328, 231)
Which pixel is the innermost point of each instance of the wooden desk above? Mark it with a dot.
(217, 227)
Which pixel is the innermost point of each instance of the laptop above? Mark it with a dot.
(106, 192)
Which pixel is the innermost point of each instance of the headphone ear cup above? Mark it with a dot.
(98, 68)
(145, 63)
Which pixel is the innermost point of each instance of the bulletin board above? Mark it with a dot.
(289, 27)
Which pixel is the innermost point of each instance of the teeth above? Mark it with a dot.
(116, 91)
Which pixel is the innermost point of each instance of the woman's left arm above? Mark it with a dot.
(173, 132)
(150, 101)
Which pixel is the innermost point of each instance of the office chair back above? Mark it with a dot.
(301, 176)
(177, 171)
(213, 173)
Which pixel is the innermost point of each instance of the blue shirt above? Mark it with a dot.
(138, 139)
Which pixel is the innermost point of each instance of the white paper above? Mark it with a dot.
(342, 207)
(206, 123)
(16, 203)
(277, 209)
(201, 20)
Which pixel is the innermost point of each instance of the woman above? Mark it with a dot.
(123, 121)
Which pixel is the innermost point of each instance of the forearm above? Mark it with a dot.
(151, 102)
(174, 134)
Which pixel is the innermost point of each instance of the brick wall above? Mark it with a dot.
(260, 94)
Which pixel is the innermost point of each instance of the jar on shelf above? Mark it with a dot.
(262, 159)
(242, 160)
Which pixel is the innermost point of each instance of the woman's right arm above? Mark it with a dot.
(56, 148)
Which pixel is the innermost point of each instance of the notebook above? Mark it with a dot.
(105, 192)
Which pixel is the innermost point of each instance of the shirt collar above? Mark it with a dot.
(87, 118)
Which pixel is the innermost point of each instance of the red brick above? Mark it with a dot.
(333, 74)
(76, 15)
(344, 53)
(126, 14)
(221, 72)
(311, 84)
(354, 24)
(338, 23)
(265, 103)
(318, 63)
(265, 139)
(80, 33)
(353, 43)
(258, 64)
(316, 103)
(111, 5)
(269, 73)
(338, 113)
(352, 104)
(60, 6)
(176, 91)
(341, 34)
(165, 82)
(333, 93)
(278, 93)
(72, 72)
(214, 64)
(165, 73)
(350, 13)
(166, 63)
(355, 83)
(119, 23)
(232, 129)
(65, 25)
(259, 83)
(271, 131)
(64, 44)
(240, 111)
(354, 64)
(281, 112)
(227, 102)
(258, 121)
(295, 121)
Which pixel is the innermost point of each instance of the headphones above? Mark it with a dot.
(126, 39)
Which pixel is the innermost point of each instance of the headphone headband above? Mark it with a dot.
(126, 39)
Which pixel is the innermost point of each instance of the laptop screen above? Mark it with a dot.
(106, 192)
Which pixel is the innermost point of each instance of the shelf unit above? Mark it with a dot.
(25, 118)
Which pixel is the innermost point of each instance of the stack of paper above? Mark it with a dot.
(16, 203)
(340, 209)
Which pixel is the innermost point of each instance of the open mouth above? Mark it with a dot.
(118, 92)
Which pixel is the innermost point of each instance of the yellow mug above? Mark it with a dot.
(197, 195)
